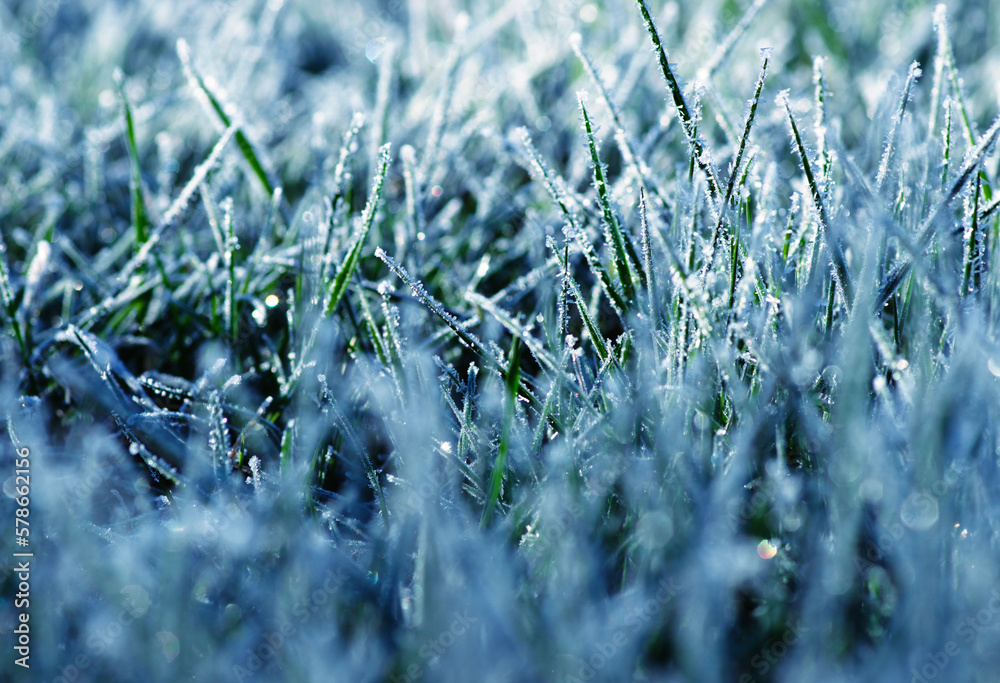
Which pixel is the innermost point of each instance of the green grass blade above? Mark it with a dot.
(945, 54)
(607, 212)
(573, 227)
(971, 271)
(9, 308)
(725, 48)
(647, 257)
(883, 168)
(536, 348)
(177, 208)
(639, 167)
(748, 124)
(738, 159)
(946, 143)
(340, 282)
(595, 334)
(373, 332)
(819, 125)
(688, 123)
(499, 467)
(340, 175)
(140, 218)
(246, 147)
(927, 229)
(840, 270)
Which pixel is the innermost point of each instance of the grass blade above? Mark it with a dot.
(883, 168)
(178, 207)
(9, 308)
(467, 338)
(895, 278)
(500, 466)
(543, 357)
(642, 172)
(725, 48)
(698, 150)
(340, 282)
(229, 261)
(738, 159)
(435, 306)
(611, 225)
(140, 218)
(647, 257)
(595, 334)
(971, 276)
(945, 54)
(840, 271)
(246, 148)
(573, 228)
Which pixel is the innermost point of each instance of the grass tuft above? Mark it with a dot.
(514, 402)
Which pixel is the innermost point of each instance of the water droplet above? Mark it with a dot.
(767, 549)
(919, 511)
(374, 48)
(994, 367)
(654, 530)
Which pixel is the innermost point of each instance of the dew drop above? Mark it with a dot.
(767, 549)
(919, 511)
(994, 367)
(374, 48)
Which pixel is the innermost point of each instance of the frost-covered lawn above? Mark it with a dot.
(499, 341)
